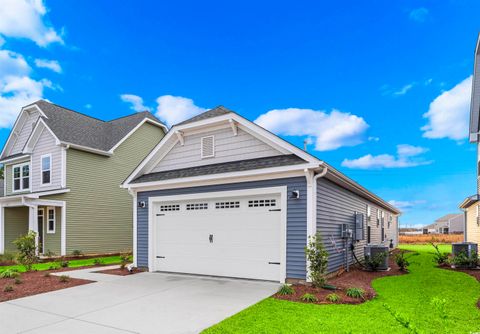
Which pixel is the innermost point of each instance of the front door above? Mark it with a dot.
(40, 230)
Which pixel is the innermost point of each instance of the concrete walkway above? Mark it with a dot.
(140, 303)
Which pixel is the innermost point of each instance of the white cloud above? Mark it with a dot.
(175, 109)
(406, 205)
(88, 106)
(407, 156)
(12, 63)
(419, 14)
(448, 113)
(49, 64)
(404, 90)
(26, 19)
(329, 130)
(372, 138)
(135, 101)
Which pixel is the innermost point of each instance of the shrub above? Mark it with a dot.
(54, 266)
(374, 262)
(46, 275)
(463, 260)
(64, 278)
(77, 253)
(7, 257)
(355, 292)
(401, 261)
(27, 250)
(286, 289)
(439, 257)
(309, 298)
(125, 259)
(62, 263)
(439, 304)
(9, 273)
(49, 253)
(333, 297)
(317, 258)
(8, 288)
(98, 262)
(18, 281)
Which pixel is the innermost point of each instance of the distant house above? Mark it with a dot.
(448, 224)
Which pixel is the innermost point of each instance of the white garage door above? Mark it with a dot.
(232, 237)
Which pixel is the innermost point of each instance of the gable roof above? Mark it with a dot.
(72, 127)
(449, 216)
(217, 111)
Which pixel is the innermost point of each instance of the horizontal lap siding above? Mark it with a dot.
(336, 206)
(473, 229)
(16, 225)
(52, 241)
(296, 219)
(46, 145)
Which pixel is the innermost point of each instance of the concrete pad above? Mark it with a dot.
(73, 326)
(15, 319)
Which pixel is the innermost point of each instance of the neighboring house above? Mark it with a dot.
(63, 171)
(448, 224)
(471, 204)
(219, 195)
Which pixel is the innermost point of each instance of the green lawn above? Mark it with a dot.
(71, 263)
(408, 297)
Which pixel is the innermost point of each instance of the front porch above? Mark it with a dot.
(45, 217)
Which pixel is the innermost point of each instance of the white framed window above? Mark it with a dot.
(21, 177)
(46, 169)
(369, 212)
(207, 147)
(50, 220)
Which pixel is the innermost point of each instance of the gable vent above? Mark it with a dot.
(207, 150)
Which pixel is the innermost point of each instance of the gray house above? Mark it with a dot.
(450, 223)
(219, 195)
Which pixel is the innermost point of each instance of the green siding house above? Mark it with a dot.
(62, 176)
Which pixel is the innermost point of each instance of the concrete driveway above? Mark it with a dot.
(140, 303)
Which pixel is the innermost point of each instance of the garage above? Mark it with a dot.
(220, 234)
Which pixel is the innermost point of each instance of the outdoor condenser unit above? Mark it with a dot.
(373, 250)
(469, 248)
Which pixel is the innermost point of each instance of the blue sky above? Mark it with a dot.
(379, 89)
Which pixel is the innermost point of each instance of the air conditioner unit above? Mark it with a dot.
(469, 248)
(373, 250)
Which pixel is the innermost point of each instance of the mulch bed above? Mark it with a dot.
(356, 277)
(120, 272)
(35, 282)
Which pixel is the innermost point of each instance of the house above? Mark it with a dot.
(62, 175)
(470, 205)
(221, 196)
(449, 224)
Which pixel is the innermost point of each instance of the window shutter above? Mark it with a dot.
(208, 150)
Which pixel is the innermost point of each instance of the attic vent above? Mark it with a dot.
(208, 150)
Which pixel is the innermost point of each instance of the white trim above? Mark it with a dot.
(86, 149)
(135, 237)
(21, 165)
(233, 125)
(180, 137)
(54, 220)
(49, 155)
(2, 229)
(33, 195)
(63, 230)
(64, 167)
(36, 134)
(282, 191)
(202, 147)
(43, 226)
(145, 120)
(11, 160)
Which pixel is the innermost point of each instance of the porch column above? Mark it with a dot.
(33, 222)
(2, 229)
(63, 241)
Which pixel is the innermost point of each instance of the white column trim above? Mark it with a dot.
(63, 230)
(2, 229)
(134, 249)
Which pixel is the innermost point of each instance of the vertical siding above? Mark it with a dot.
(16, 224)
(336, 206)
(9, 178)
(296, 219)
(24, 133)
(99, 212)
(52, 241)
(227, 148)
(473, 230)
(46, 145)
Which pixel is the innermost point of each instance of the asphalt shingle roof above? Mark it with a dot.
(76, 128)
(217, 111)
(448, 216)
(226, 167)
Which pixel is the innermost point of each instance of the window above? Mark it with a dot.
(21, 177)
(46, 165)
(227, 205)
(172, 207)
(390, 219)
(207, 149)
(478, 215)
(51, 220)
(261, 203)
(197, 206)
(378, 218)
(369, 212)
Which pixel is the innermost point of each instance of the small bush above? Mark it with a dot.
(440, 305)
(54, 266)
(27, 250)
(77, 253)
(64, 278)
(286, 289)
(49, 253)
(463, 260)
(439, 257)
(8, 288)
(309, 298)
(46, 275)
(18, 281)
(401, 261)
(98, 262)
(62, 263)
(9, 273)
(7, 257)
(317, 258)
(333, 297)
(374, 262)
(125, 259)
(355, 292)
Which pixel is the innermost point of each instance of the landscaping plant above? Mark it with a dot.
(440, 305)
(77, 253)
(98, 262)
(462, 260)
(7, 258)
(317, 258)
(286, 289)
(9, 273)
(439, 257)
(333, 297)
(8, 288)
(18, 281)
(355, 292)
(309, 298)
(47, 274)
(401, 261)
(125, 259)
(27, 250)
(374, 262)
(64, 278)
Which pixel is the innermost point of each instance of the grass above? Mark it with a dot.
(71, 263)
(428, 300)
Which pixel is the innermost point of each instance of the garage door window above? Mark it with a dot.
(197, 206)
(261, 203)
(171, 207)
(227, 205)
